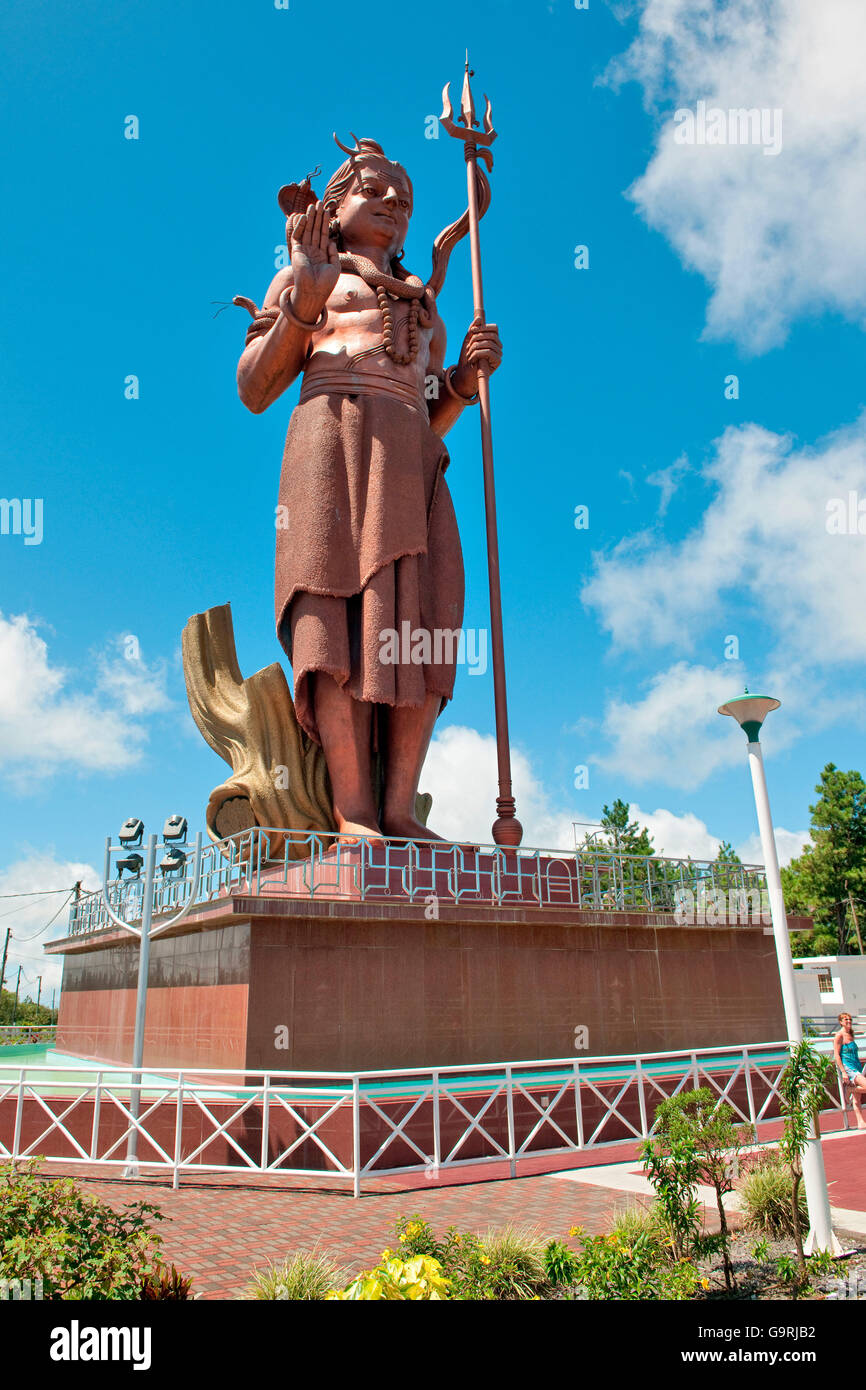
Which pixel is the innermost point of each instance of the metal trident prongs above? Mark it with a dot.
(470, 135)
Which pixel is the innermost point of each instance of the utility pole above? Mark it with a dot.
(854, 915)
(5, 954)
(38, 995)
(17, 987)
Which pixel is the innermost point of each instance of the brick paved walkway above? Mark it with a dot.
(219, 1231)
(220, 1226)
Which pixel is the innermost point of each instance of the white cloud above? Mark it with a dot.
(672, 732)
(764, 536)
(135, 686)
(668, 480)
(687, 836)
(47, 727)
(789, 845)
(776, 237)
(677, 837)
(460, 773)
(38, 871)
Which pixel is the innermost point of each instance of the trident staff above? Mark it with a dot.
(507, 829)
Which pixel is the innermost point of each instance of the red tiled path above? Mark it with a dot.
(219, 1230)
(221, 1226)
(845, 1164)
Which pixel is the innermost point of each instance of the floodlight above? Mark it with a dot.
(175, 829)
(173, 861)
(130, 832)
(132, 862)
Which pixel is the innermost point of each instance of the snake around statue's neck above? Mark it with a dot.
(410, 288)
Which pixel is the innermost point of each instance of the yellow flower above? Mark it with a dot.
(403, 1236)
(485, 1259)
(574, 1231)
(705, 1283)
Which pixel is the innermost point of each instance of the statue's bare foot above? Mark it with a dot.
(403, 827)
(355, 830)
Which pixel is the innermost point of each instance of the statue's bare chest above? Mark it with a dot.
(352, 295)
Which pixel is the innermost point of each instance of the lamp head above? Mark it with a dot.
(131, 831)
(132, 863)
(750, 711)
(175, 829)
(173, 861)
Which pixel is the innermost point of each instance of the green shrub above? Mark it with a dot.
(560, 1264)
(637, 1220)
(502, 1264)
(765, 1193)
(81, 1248)
(673, 1167)
(506, 1264)
(416, 1237)
(307, 1276)
(787, 1271)
(696, 1137)
(166, 1283)
(635, 1269)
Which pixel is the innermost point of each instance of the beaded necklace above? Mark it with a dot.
(388, 288)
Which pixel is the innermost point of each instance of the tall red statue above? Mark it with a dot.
(366, 534)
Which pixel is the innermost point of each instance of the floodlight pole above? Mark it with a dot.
(141, 1006)
(145, 933)
(750, 712)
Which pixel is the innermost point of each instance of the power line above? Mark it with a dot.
(33, 935)
(43, 893)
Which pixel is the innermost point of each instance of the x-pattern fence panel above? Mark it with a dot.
(357, 1126)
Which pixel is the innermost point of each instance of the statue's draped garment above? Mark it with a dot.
(366, 540)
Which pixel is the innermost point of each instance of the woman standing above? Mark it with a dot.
(848, 1062)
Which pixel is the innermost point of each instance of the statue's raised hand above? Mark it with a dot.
(315, 261)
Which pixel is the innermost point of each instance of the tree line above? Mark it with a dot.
(827, 881)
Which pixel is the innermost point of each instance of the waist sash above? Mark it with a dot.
(368, 383)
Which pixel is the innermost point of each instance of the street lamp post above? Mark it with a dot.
(750, 711)
(145, 933)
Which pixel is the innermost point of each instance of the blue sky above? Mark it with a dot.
(707, 515)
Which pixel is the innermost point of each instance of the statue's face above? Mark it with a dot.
(377, 208)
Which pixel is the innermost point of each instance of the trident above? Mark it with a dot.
(507, 829)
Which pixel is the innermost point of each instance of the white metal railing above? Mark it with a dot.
(823, 1026)
(305, 864)
(370, 1124)
(27, 1033)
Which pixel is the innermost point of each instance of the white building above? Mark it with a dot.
(830, 985)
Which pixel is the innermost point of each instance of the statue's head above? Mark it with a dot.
(370, 198)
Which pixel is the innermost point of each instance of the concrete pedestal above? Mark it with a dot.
(267, 982)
